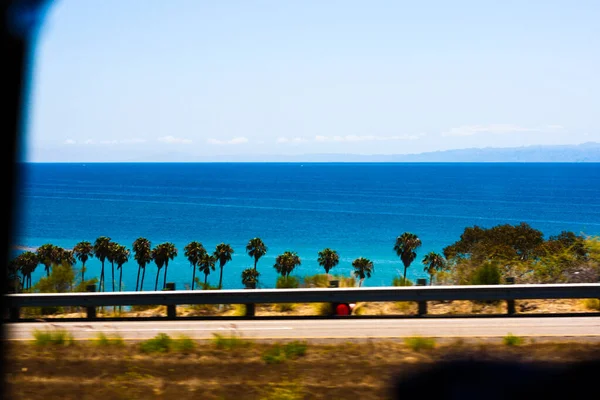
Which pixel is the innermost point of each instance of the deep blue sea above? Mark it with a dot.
(356, 209)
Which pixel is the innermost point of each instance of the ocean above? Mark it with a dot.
(357, 209)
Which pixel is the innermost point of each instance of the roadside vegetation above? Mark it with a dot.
(230, 366)
(481, 256)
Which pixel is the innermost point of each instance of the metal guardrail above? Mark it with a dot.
(420, 294)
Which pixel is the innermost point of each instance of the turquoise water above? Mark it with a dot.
(356, 209)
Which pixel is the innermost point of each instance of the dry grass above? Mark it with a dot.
(205, 371)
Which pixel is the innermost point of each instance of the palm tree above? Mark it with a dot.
(223, 254)
(194, 251)
(285, 263)
(26, 263)
(113, 248)
(328, 259)
(250, 277)
(205, 265)
(143, 255)
(405, 247)
(159, 260)
(65, 257)
(47, 254)
(256, 248)
(170, 252)
(121, 257)
(363, 268)
(83, 251)
(12, 276)
(101, 250)
(433, 262)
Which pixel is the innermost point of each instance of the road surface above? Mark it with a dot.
(323, 329)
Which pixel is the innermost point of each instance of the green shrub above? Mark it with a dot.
(183, 344)
(161, 343)
(512, 340)
(58, 337)
(289, 351)
(319, 280)
(295, 349)
(323, 308)
(400, 281)
(231, 342)
(486, 274)
(287, 282)
(418, 343)
(592, 304)
(103, 340)
(283, 307)
(273, 355)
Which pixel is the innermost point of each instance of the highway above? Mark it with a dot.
(323, 329)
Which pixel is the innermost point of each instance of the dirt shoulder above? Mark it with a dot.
(349, 370)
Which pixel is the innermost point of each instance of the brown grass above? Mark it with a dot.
(344, 371)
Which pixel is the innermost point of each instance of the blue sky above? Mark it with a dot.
(152, 79)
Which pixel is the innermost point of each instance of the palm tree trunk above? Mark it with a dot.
(405, 274)
(430, 279)
(120, 276)
(221, 277)
(82, 271)
(255, 262)
(165, 278)
(193, 276)
(156, 284)
(102, 278)
(142, 282)
(48, 271)
(113, 276)
(205, 280)
(137, 281)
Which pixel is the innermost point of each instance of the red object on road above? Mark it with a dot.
(342, 309)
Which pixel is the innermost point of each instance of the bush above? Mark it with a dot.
(323, 308)
(289, 351)
(295, 349)
(512, 340)
(287, 282)
(273, 355)
(161, 343)
(283, 307)
(487, 274)
(232, 342)
(418, 343)
(400, 281)
(59, 337)
(592, 304)
(183, 344)
(103, 340)
(319, 280)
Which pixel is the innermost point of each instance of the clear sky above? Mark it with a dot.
(145, 79)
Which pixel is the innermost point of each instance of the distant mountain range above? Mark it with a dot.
(586, 152)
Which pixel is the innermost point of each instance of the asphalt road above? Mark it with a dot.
(324, 329)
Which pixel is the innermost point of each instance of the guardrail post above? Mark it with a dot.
(90, 311)
(510, 304)
(171, 308)
(250, 307)
(422, 304)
